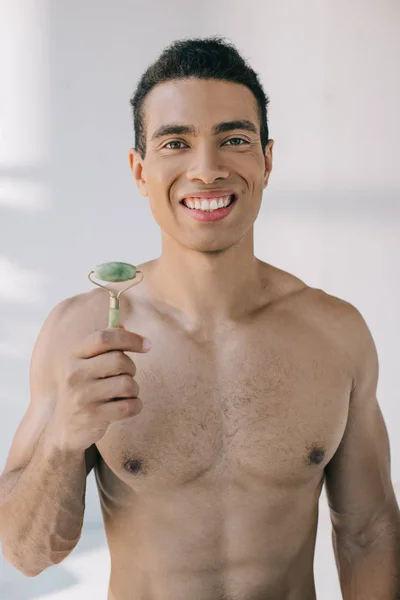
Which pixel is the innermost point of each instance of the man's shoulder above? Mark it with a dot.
(331, 315)
(79, 306)
(334, 310)
(353, 332)
(340, 322)
(315, 301)
(75, 317)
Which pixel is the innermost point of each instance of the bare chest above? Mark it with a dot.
(266, 405)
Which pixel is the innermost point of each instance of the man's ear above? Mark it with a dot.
(137, 168)
(268, 161)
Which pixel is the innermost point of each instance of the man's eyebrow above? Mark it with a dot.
(224, 126)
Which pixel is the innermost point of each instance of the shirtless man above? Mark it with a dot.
(210, 449)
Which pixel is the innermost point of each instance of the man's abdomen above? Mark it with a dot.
(211, 544)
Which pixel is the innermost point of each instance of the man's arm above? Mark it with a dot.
(364, 511)
(42, 487)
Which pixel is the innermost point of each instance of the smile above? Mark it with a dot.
(214, 209)
(208, 205)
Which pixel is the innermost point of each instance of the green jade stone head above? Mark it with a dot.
(115, 271)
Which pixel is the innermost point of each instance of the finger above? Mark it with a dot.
(120, 409)
(111, 389)
(105, 340)
(108, 364)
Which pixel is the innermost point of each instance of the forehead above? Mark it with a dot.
(199, 102)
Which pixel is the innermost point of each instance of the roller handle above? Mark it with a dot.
(114, 313)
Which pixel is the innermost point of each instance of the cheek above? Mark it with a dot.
(162, 182)
(161, 194)
(165, 169)
(249, 166)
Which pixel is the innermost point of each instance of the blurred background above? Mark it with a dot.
(331, 213)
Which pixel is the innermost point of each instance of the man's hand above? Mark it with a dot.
(96, 388)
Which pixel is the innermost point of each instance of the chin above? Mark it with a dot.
(210, 245)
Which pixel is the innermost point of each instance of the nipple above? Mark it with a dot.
(133, 465)
(316, 455)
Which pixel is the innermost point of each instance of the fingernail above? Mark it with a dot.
(146, 344)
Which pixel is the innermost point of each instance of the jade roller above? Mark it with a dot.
(115, 272)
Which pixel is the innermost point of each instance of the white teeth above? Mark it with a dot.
(208, 205)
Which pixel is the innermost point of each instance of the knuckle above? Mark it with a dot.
(133, 368)
(130, 407)
(124, 407)
(127, 384)
(136, 406)
(72, 372)
(90, 412)
(135, 392)
(104, 337)
(81, 400)
(119, 363)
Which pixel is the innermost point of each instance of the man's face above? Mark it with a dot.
(181, 164)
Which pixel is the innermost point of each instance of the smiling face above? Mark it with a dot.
(202, 135)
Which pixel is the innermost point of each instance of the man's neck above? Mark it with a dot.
(206, 288)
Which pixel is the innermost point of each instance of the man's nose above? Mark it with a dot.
(207, 167)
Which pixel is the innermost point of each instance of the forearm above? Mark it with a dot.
(370, 572)
(42, 508)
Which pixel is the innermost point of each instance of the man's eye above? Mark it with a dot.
(237, 138)
(173, 142)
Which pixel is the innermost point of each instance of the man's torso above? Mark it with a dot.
(211, 492)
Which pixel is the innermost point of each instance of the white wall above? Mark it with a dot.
(330, 214)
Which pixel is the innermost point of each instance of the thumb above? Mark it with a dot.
(122, 326)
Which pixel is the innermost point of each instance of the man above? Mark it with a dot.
(210, 449)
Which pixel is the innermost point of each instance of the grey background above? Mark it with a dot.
(67, 200)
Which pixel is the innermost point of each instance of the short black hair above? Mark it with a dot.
(202, 58)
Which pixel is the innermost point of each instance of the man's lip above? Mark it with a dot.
(209, 216)
(209, 194)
